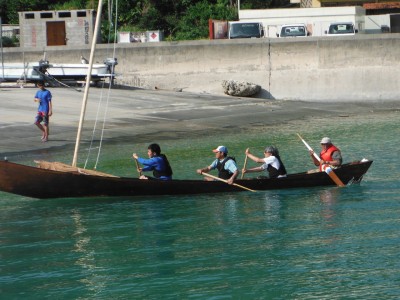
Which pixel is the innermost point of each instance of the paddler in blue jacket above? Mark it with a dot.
(157, 162)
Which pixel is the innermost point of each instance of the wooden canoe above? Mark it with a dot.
(42, 183)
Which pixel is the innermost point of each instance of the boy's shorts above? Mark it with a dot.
(42, 117)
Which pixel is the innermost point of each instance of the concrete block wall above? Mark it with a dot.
(80, 30)
(33, 30)
(356, 68)
(363, 67)
(348, 69)
(79, 27)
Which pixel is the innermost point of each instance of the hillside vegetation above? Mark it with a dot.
(178, 19)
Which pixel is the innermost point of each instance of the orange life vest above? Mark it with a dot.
(326, 155)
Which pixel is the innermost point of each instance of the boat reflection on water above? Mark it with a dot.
(329, 198)
(273, 207)
(84, 249)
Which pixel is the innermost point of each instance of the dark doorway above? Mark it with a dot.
(55, 32)
(394, 23)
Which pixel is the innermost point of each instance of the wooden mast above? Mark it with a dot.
(87, 85)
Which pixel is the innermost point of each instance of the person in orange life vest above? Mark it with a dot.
(330, 155)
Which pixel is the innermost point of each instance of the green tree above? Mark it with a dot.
(73, 4)
(263, 4)
(8, 42)
(194, 25)
(9, 9)
(178, 19)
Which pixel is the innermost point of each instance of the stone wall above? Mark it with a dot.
(360, 68)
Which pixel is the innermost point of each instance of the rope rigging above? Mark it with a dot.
(113, 26)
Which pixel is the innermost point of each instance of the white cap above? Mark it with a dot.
(221, 149)
(326, 140)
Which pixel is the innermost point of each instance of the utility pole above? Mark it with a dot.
(1, 47)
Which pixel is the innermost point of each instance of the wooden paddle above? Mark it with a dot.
(226, 181)
(244, 166)
(327, 170)
(137, 167)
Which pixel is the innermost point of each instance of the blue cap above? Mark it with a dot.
(221, 149)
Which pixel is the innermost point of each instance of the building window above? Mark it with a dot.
(81, 14)
(29, 16)
(47, 15)
(64, 14)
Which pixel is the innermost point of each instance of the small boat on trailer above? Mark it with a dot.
(24, 72)
(43, 183)
(53, 73)
(78, 72)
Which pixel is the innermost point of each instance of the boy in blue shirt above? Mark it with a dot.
(45, 110)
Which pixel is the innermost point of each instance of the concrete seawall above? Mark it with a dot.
(357, 68)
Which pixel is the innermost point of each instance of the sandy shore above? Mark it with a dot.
(153, 115)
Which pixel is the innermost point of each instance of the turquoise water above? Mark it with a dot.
(317, 243)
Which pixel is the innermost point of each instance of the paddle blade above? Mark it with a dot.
(334, 177)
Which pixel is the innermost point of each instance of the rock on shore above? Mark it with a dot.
(241, 89)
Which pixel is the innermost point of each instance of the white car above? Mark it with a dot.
(293, 30)
(343, 28)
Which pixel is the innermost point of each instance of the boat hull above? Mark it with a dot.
(42, 183)
(32, 71)
(41, 70)
(78, 71)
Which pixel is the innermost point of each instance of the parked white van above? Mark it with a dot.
(341, 28)
(293, 30)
